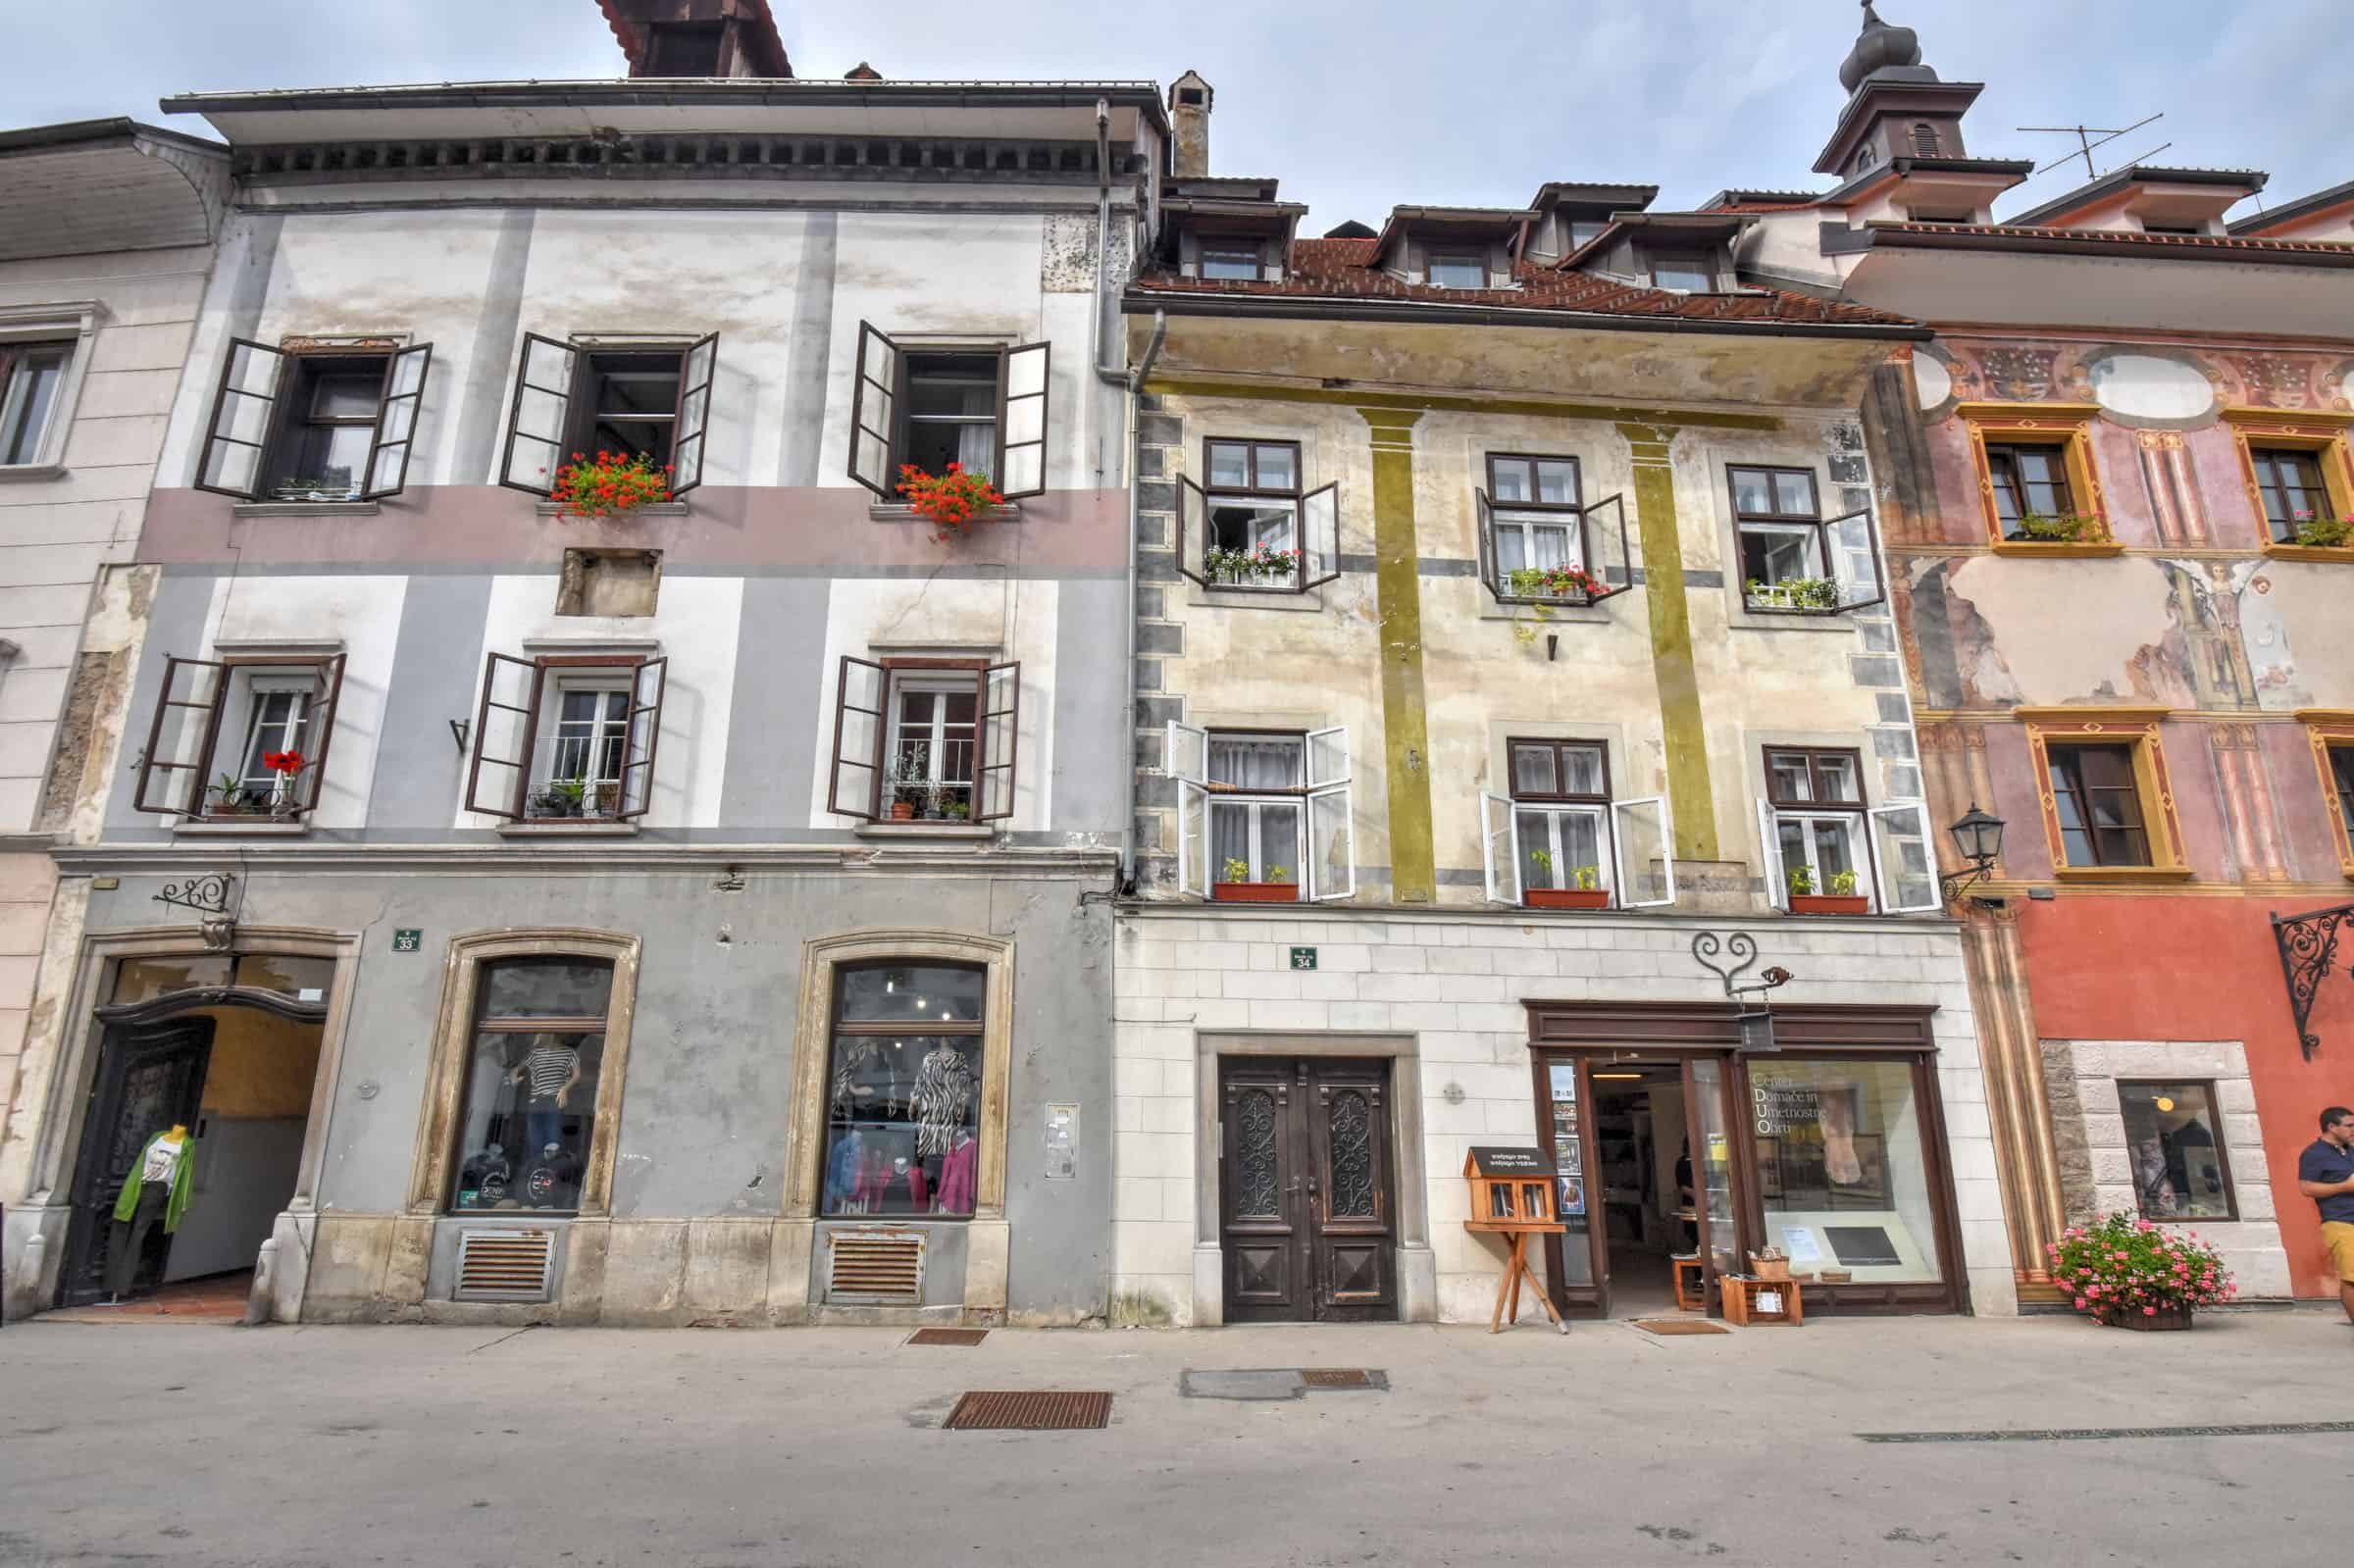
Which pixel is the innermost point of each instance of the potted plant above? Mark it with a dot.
(233, 796)
(2127, 1273)
(1249, 568)
(2324, 532)
(314, 489)
(1796, 594)
(1573, 583)
(1233, 884)
(561, 798)
(2065, 529)
(949, 501)
(1841, 900)
(610, 484)
(1585, 890)
(280, 797)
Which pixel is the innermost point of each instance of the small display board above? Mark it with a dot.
(1506, 1162)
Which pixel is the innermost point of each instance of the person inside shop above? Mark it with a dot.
(2325, 1174)
(155, 1190)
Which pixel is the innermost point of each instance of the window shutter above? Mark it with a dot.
(1489, 573)
(504, 726)
(874, 410)
(237, 442)
(859, 725)
(1846, 541)
(322, 732)
(388, 470)
(540, 415)
(179, 739)
(1499, 846)
(1193, 839)
(1331, 843)
(1319, 537)
(1643, 837)
(1904, 849)
(1022, 383)
(1327, 756)
(1777, 876)
(1000, 739)
(1193, 529)
(1185, 754)
(641, 740)
(696, 369)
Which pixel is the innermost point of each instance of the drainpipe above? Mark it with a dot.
(1134, 383)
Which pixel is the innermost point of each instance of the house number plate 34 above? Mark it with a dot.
(1304, 958)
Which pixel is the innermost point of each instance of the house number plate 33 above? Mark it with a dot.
(407, 939)
(1304, 958)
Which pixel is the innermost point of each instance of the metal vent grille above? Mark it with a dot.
(997, 1411)
(885, 1267)
(504, 1265)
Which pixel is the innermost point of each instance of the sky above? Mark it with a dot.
(1361, 105)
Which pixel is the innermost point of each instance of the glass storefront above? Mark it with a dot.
(1842, 1168)
(1569, 1176)
(531, 1085)
(904, 1092)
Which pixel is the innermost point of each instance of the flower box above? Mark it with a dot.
(1255, 892)
(2166, 1318)
(1829, 904)
(1566, 898)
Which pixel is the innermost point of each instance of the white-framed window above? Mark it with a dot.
(1459, 269)
(239, 737)
(1263, 810)
(586, 741)
(567, 735)
(934, 731)
(1558, 839)
(1823, 839)
(32, 381)
(1234, 260)
(925, 740)
(276, 723)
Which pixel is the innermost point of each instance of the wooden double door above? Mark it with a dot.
(149, 1077)
(1308, 1189)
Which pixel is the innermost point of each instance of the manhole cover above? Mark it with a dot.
(960, 1337)
(1336, 1376)
(1028, 1412)
(1678, 1326)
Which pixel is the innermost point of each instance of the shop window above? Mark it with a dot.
(328, 424)
(240, 739)
(32, 375)
(1561, 842)
(639, 399)
(2107, 803)
(1823, 839)
(529, 1093)
(1793, 560)
(1844, 1173)
(2039, 488)
(925, 740)
(1263, 817)
(903, 1091)
(570, 737)
(2174, 1144)
(1251, 526)
(983, 408)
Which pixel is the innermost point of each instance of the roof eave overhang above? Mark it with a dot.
(1313, 307)
(2295, 253)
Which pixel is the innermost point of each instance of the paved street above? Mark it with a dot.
(204, 1445)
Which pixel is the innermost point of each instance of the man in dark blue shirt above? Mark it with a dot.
(2325, 1174)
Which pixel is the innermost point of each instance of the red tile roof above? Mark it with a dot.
(1343, 269)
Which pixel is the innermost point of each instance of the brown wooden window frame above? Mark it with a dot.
(1828, 554)
(250, 415)
(517, 800)
(1513, 747)
(1315, 517)
(2272, 488)
(840, 1028)
(2223, 1154)
(1816, 757)
(565, 376)
(2065, 770)
(188, 800)
(864, 762)
(2002, 468)
(879, 382)
(1492, 569)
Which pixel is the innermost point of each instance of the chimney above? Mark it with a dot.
(1188, 118)
(697, 37)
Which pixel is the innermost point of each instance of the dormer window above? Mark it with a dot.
(1693, 274)
(1459, 269)
(1583, 231)
(1230, 260)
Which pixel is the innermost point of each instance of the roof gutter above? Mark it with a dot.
(2244, 253)
(1323, 308)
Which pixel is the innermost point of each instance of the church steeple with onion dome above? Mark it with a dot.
(1896, 106)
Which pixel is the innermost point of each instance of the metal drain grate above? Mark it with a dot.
(1028, 1412)
(959, 1337)
(1336, 1376)
(1678, 1326)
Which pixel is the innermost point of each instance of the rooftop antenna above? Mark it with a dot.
(2084, 135)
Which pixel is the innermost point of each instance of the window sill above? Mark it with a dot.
(32, 471)
(1745, 619)
(2060, 549)
(227, 827)
(1560, 613)
(568, 828)
(303, 509)
(650, 509)
(1224, 596)
(952, 831)
(2322, 554)
(2126, 874)
(894, 512)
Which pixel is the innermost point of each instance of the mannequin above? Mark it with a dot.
(842, 1171)
(551, 1178)
(548, 1070)
(895, 1186)
(944, 1092)
(155, 1188)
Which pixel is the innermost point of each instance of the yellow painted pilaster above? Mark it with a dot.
(1688, 788)
(1405, 724)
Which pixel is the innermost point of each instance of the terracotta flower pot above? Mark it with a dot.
(903, 811)
(1255, 892)
(1566, 898)
(1829, 904)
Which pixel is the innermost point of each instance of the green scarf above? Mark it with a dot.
(126, 1204)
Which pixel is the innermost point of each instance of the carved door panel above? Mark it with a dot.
(1305, 1191)
(148, 1078)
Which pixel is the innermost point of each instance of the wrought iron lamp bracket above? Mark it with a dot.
(1740, 950)
(2308, 945)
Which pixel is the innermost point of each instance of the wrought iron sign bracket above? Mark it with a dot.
(1740, 954)
(2308, 945)
(208, 896)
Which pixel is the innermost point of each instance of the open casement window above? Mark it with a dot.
(1500, 848)
(1331, 817)
(1560, 824)
(1793, 560)
(395, 431)
(1643, 849)
(929, 740)
(236, 738)
(567, 738)
(985, 408)
(237, 441)
(1823, 848)
(1185, 757)
(1904, 844)
(323, 426)
(1554, 555)
(1251, 529)
(651, 400)
(540, 421)
(691, 427)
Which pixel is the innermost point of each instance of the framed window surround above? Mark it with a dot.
(1539, 542)
(644, 395)
(2282, 453)
(2332, 733)
(314, 420)
(1823, 839)
(1558, 840)
(935, 740)
(45, 353)
(1251, 525)
(241, 740)
(981, 405)
(567, 740)
(1998, 433)
(2136, 731)
(1793, 560)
